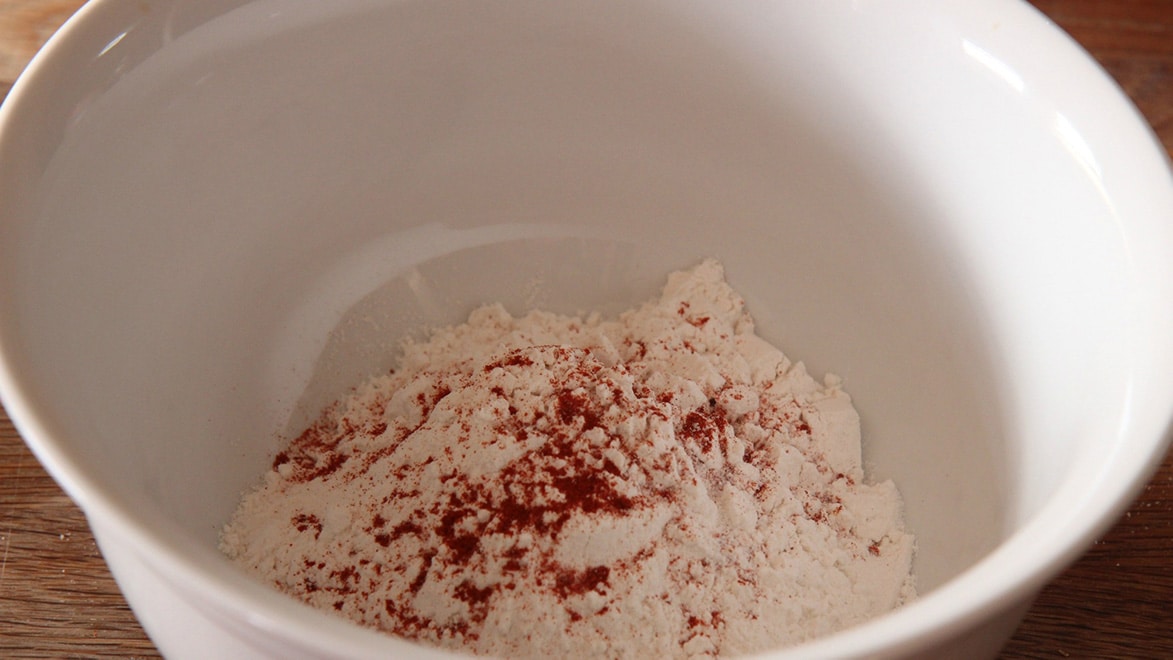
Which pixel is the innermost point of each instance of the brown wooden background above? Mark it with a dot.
(57, 598)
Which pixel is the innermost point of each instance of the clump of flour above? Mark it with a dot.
(665, 484)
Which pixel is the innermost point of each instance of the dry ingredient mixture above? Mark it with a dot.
(666, 484)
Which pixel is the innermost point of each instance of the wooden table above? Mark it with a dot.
(57, 597)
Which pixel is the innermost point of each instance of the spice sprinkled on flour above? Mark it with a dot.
(663, 484)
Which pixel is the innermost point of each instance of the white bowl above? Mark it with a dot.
(218, 215)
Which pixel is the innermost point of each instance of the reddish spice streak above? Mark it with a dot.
(463, 547)
(306, 521)
(572, 405)
(476, 598)
(816, 515)
(345, 576)
(418, 582)
(515, 358)
(571, 583)
(591, 492)
(514, 557)
(700, 427)
(313, 452)
(641, 349)
(405, 527)
(801, 425)
(612, 469)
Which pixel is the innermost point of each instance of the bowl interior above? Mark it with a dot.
(231, 215)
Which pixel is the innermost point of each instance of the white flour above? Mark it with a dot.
(662, 485)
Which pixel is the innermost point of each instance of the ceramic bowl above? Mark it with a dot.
(215, 216)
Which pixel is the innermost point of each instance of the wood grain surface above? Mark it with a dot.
(57, 598)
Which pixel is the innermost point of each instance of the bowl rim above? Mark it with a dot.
(1010, 574)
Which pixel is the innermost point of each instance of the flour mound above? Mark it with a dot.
(665, 484)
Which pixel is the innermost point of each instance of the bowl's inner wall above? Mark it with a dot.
(237, 227)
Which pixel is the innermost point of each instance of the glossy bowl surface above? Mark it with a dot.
(215, 216)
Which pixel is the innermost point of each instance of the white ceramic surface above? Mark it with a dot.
(215, 216)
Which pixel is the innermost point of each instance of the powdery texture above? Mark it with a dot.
(662, 485)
